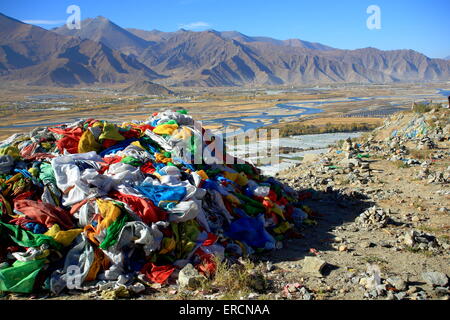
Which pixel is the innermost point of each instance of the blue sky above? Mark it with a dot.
(422, 25)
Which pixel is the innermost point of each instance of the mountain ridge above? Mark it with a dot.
(41, 57)
(230, 58)
(213, 58)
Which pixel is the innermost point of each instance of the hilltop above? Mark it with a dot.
(148, 88)
(378, 224)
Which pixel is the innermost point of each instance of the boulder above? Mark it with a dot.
(313, 266)
(190, 278)
(435, 279)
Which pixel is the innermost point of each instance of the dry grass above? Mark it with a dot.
(420, 154)
(399, 164)
(427, 253)
(331, 120)
(236, 280)
(323, 121)
(374, 260)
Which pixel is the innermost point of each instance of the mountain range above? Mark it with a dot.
(42, 57)
(103, 52)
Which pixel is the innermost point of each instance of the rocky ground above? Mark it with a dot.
(380, 227)
(384, 229)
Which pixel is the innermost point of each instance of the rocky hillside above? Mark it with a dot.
(148, 88)
(383, 230)
(376, 225)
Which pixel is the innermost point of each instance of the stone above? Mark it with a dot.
(306, 295)
(367, 244)
(441, 291)
(190, 278)
(156, 286)
(137, 287)
(381, 289)
(372, 218)
(123, 279)
(343, 248)
(398, 283)
(412, 290)
(385, 244)
(419, 296)
(400, 295)
(373, 293)
(355, 280)
(423, 246)
(435, 279)
(252, 295)
(363, 282)
(291, 288)
(103, 285)
(256, 281)
(313, 266)
(420, 239)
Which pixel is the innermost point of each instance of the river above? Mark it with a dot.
(319, 143)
